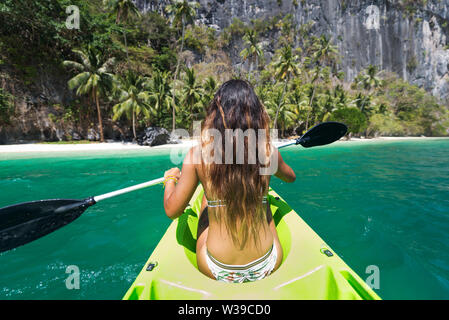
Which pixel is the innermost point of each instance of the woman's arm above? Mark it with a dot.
(284, 172)
(177, 196)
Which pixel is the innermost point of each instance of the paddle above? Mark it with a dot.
(321, 134)
(28, 221)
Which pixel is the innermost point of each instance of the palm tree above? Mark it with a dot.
(273, 99)
(276, 104)
(191, 92)
(160, 97)
(286, 67)
(286, 117)
(370, 78)
(324, 106)
(93, 77)
(318, 73)
(252, 50)
(299, 104)
(340, 98)
(133, 98)
(363, 103)
(122, 9)
(209, 87)
(183, 13)
(262, 92)
(324, 53)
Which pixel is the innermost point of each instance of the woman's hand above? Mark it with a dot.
(284, 172)
(174, 172)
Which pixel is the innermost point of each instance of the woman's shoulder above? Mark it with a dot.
(193, 156)
(193, 160)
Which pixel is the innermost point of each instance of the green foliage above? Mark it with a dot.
(252, 51)
(160, 98)
(235, 30)
(369, 79)
(154, 31)
(182, 14)
(121, 9)
(41, 27)
(199, 38)
(182, 11)
(410, 6)
(133, 100)
(92, 77)
(191, 94)
(195, 40)
(387, 125)
(164, 60)
(412, 63)
(352, 117)
(286, 65)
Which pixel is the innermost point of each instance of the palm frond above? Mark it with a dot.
(73, 65)
(78, 80)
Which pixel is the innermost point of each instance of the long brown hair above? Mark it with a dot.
(240, 186)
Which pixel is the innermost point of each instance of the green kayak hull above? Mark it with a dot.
(310, 268)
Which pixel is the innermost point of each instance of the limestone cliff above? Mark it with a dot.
(406, 37)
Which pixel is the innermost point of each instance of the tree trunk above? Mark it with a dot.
(176, 75)
(257, 68)
(134, 126)
(173, 111)
(310, 106)
(117, 20)
(279, 105)
(100, 122)
(250, 68)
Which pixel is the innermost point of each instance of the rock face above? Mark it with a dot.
(33, 106)
(39, 115)
(154, 136)
(396, 35)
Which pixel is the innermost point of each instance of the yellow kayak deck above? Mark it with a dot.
(310, 268)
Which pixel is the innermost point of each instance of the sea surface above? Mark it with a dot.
(376, 203)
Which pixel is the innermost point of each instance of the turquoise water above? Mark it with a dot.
(377, 203)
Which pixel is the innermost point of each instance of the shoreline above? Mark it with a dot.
(118, 146)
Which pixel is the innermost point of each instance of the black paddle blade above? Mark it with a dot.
(323, 133)
(25, 222)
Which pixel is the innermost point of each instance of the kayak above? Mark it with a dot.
(310, 268)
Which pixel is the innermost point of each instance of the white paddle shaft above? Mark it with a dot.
(286, 144)
(129, 189)
(156, 181)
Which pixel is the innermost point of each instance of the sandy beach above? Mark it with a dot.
(111, 146)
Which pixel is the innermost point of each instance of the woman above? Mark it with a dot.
(237, 239)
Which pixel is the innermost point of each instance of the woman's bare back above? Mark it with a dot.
(216, 240)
